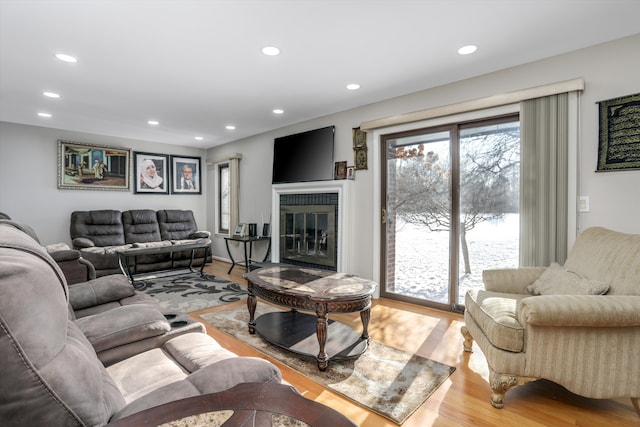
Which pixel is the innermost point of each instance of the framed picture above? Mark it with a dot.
(351, 173)
(619, 144)
(341, 170)
(150, 172)
(93, 167)
(186, 178)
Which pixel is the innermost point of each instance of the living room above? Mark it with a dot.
(29, 157)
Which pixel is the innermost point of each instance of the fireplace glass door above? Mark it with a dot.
(307, 235)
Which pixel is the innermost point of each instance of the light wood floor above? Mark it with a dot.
(463, 400)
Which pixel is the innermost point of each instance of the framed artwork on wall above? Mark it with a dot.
(619, 142)
(186, 177)
(150, 172)
(340, 170)
(93, 167)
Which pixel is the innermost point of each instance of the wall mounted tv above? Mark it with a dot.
(306, 156)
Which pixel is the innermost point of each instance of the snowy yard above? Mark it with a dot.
(422, 258)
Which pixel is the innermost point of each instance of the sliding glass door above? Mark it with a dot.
(450, 207)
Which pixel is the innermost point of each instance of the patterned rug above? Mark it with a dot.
(388, 381)
(190, 292)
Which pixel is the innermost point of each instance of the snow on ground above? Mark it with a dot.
(422, 257)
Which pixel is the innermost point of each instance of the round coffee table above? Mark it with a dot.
(320, 292)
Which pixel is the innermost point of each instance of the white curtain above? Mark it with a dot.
(544, 188)
(234, 191)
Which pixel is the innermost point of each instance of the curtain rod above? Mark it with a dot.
(476, 104)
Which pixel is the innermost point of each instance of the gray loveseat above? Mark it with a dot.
(51, 374)
(100, 234)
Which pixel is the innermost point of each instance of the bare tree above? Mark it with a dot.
(489, 180)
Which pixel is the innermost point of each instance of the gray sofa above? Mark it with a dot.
(51, 374)
(100, 234)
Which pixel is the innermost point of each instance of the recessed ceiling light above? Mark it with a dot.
(66, 58)
(47, 115)
(353, 86)
(271, 50)
(198, 138)
(230, 127)
(153, 122)
(278, 111)
(466, 50)
(51, 94)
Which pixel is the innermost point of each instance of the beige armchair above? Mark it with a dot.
(577, 325)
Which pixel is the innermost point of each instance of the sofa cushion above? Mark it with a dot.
(176, 224)
(99, 291)
(227, 373)
(140, 226)
(608, 256)
(145, 372)
(495, 313)
(557, 280)
(102, 227)
(195, 351)
(123, 325)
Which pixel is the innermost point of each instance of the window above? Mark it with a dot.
(451, 203)
(227, 205)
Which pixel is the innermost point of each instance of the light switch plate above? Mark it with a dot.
(583, 204)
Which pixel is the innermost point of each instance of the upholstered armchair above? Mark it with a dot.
(51, 374)
(577, 325)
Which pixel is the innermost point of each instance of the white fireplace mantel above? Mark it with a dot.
(342, 188)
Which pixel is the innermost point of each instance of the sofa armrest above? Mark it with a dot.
(511, 280)
(580, 310)
(200, 235)
(82, 242)
(65, 255)
(75, 268)
(123, 325)
(99, 291)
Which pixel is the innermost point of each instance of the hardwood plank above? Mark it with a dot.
(463, 400)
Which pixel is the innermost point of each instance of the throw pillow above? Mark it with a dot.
(557, 280)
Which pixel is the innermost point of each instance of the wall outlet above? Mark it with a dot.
(583, 204)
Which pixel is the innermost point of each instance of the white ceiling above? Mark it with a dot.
(196, 66)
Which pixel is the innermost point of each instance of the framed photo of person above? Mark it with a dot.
(340, 170)
(186, 177)
(150, 173)
(93, 167)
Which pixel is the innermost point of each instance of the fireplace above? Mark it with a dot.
(308, 230)
(310, 221)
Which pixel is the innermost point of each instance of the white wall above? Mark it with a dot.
(28, 181)
(610, 70)
(28, 156)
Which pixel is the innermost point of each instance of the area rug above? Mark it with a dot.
(388, 381)
(190, 292)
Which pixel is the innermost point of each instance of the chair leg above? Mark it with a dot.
(635, 401)
(468, 339)
(501, 383)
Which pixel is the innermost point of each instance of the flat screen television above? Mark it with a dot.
(305, 156)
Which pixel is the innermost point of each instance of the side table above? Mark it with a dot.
(246, 242)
